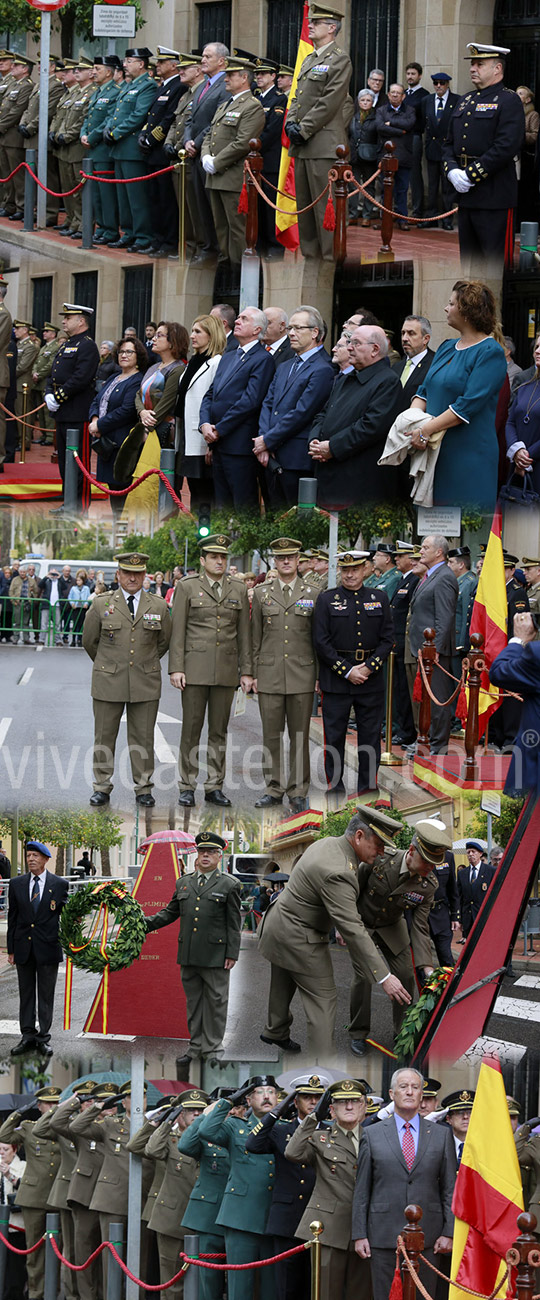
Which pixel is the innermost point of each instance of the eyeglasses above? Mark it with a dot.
(127, 352)
(295, 329)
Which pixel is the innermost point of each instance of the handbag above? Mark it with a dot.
(105, 447)
(520, 493)
(128, 455)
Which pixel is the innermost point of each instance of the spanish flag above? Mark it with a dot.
(489, 616)
(287, 220)
(488, 1195)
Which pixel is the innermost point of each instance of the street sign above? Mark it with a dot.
(491, 803)
(114, 20)
(439, 519)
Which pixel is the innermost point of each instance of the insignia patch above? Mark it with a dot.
(53, 905)
(483, 108)
(373, 604)
(413, 899)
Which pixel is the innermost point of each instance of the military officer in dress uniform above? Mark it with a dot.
(333, 1155)
(88, 1161)
(386, 575)
(179, 1174)
(285, 671)
(28, 130)
(208, 903)
(6, 327)
(58, 1199)
(69, 148)
(353, 635)
(129, 114)
(98, 111)
(293, 1183)
(42, 1163)
(320, 563)
(322, 892)
(191, 76)
(137, 1146)
(485, 133)
(404, 724)
(274, 104)
(12, 106)
(532, 574)
(444, 914)
(504, 723)
(459, 561)
(40, 373)
(69, 390)
(151, 141)
(126, 633)
(402, 880)
(315, 125)
(210, 652)
(223, 150)
(206, 1196)
(26, 355)
(248, 1194)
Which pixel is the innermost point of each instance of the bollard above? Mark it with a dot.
(477, 664)
(316, 1228)
(524, 1256)
(52, 1263)
(182, 204)
(191, 1277)
(337, 177)
(388, 759)
(428, 655)
(71, 482)
(389, 166)
(4, 1229)
(87, 204)
(413, 1240)
(115, 1276)
(30, 188)
(165, 502)
(252, 219)
(528, 245)
(22, 426)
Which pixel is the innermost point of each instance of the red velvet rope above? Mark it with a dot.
(102, 180)
(162, 1286)
(122, 492)
(16, 1249)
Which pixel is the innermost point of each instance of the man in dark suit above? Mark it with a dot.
(348, 436)
(206, 100)
(35, 902)
(404, 725)
(416, 94)
(473, 883)
(402, 1160)
(227, 315)
(517, 668)
(296, 395)
(275, 105)
(436, 112)
(230, 412)
(415, 336)
(504, 723)
(396, 121)
(276, 339)
(433, 604)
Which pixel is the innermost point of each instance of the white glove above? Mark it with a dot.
(51, 403)
(459, 180)
(208, 164)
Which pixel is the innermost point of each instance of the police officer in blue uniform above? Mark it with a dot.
(353, 635)
(485, 133)
(274, 104)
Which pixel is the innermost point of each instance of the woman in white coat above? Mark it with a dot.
(193, 457)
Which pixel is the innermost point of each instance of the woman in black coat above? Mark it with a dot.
(363, 142)
(113, 412)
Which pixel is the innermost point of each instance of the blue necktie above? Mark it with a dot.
(35, 894)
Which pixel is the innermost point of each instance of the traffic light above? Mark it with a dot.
(203, 526)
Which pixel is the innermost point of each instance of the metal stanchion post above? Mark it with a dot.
(115, 1276)
(29, 190)
(4, 1228)
(191, 1278)
(316, 1228)
(86, 194)
(182, 204)
(165, 501)
(52, 1264)
(388, 759)
(23, 425)
(528, 244)
(72, 470)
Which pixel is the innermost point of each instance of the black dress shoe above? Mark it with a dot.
(25, 1045)
(17, 216)
(285, 1044)
(358, 1047)
(268, 801)
(186, 1059)
(187, 798)
(217, 796)
(299, 804)
(124, 242)
(145, 800)
(141, 246)
(44, 1050)
(98, 799)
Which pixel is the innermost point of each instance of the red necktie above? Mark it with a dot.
(407, 1144)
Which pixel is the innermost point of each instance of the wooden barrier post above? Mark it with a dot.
(337, 176)
(428, 655)
(524, 1256)
(413, 1240)
(252, 219)
(477, 665)
(389, 166)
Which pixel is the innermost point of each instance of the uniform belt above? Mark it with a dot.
(357, 655)
(465, 158)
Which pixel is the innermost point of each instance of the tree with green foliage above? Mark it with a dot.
(335, 823)
(248, 533)
(502, 826)
(73, 22)
(66, 828)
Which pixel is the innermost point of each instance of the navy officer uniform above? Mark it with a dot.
(275, 105)
(485, 133)
(352, 628)
(161, 115)
(69, 392)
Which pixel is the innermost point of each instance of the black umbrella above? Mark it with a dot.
(277, 877)
(17, 1101)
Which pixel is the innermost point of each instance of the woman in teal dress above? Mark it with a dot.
(460, 393)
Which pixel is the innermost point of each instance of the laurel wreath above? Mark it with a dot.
(418, 1015)
(95, 952)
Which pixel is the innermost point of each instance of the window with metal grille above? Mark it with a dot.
(385, 288)
(85, 287)
(521, 313)
(137, 309)
(283, 30)
(516, 26)
(41, 300)
(215, 23)
(374, 39)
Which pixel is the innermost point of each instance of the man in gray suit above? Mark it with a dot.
(206, 100)
(402, 1160)
(433, 604)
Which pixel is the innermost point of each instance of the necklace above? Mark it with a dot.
(531, 404)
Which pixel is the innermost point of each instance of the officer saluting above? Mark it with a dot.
(486, 131)
(353, 635)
